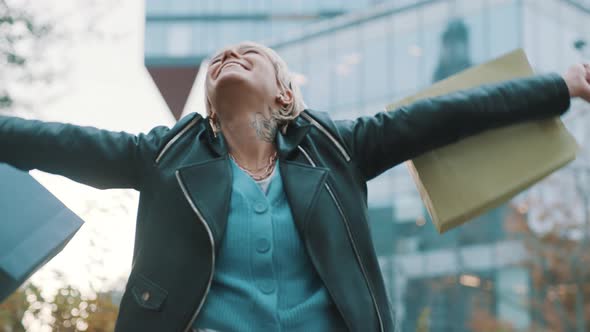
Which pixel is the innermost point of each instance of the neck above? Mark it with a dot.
(250, 138)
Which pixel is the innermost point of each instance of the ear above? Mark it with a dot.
(285, 98)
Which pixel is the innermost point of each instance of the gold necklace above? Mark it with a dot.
(268, 168)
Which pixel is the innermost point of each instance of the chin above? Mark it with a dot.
(236, 84)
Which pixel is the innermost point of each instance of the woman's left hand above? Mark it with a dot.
(577, 78)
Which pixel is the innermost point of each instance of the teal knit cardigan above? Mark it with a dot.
(264, 279)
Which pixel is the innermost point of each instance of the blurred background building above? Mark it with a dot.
(181, 34)
(352, 58)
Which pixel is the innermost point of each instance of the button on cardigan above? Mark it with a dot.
(264, 279)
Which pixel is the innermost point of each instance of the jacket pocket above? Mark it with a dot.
(148, 294)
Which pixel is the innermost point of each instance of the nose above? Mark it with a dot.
(230, 52)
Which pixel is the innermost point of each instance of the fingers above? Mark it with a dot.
(586, 87)
(585, 93)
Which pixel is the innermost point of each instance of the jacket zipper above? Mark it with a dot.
(358, 257)
(327, 133)
(212, 242)
(175, 138)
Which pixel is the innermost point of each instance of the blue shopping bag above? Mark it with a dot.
(34, 227)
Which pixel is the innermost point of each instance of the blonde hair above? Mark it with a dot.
(285, 79)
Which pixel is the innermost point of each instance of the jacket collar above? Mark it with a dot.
(208, 181)
(286, 143)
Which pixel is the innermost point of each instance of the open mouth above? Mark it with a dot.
(231, 63)
(227, 64)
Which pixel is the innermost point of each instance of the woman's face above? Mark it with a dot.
(242, 72)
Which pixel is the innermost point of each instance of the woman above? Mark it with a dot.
(255, 217)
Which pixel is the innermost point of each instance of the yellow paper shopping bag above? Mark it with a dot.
(462, 180)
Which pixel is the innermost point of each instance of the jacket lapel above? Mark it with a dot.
(208, 185)
(302, 184)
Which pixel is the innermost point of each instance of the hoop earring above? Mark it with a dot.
(214, 124)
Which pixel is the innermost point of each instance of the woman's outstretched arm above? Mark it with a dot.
(95, 157)
(386, 139)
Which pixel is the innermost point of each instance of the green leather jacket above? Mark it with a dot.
(184, 178)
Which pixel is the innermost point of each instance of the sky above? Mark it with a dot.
(106, 86)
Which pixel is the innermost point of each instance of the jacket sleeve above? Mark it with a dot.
(96, 157)
(386, 139)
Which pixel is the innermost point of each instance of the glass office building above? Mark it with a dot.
(352, 58)
(181, 33)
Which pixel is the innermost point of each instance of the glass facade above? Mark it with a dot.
(376, 52)
(185, 31)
